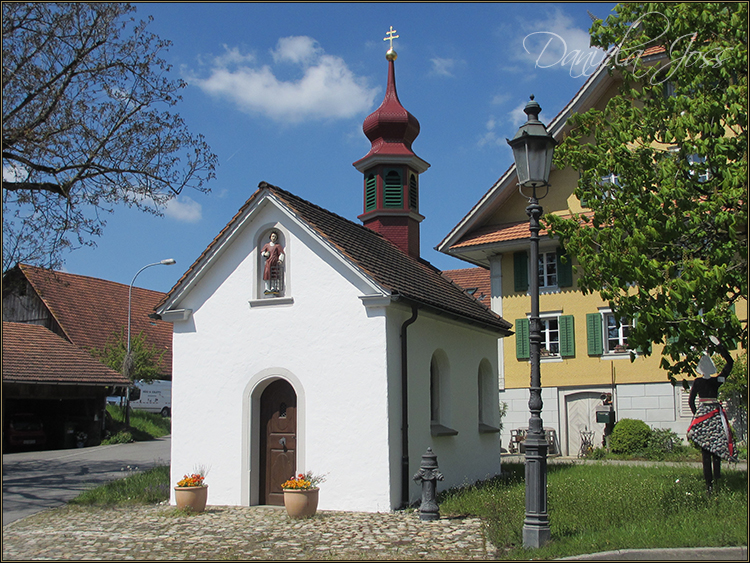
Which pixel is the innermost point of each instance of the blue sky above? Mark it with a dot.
(280, 91)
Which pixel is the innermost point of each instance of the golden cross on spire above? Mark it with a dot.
(390, 37)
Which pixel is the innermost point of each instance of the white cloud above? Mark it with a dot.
(233, 56)
(443, 67)
(184, 209)
(517, 116)
(298, 50)
(14, 172)
(326, 89)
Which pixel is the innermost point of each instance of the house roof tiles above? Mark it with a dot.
(91, 310)
(34, 354)
(475, 281)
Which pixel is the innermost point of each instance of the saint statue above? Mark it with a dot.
(273, 272)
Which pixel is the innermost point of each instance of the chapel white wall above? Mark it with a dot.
(469, 456)
(326, 339)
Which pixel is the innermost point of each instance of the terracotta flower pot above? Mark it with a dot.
(301, 503)
(193, 498)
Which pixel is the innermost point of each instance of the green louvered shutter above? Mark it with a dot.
(564, 270)
(522, 339)
(640, 350)
(521, 271)
(393, 192)
(594, 336)
(371, 192)
(732, 344)
(413, 193)
(567, 336)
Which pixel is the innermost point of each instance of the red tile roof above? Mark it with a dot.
(504, 232)
(91, 310)
(415, 280)
(475, 281)
(34, 354)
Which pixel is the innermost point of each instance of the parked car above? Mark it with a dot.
(24, 430)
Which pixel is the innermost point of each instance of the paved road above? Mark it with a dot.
(34, 481)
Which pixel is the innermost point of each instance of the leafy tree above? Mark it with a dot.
(665, 239)
(86, 126)
(735, 387)
(145, 359)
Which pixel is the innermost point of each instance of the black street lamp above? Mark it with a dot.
(533, 148)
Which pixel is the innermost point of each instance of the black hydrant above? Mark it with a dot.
(428, 475)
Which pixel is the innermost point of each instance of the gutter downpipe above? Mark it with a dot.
(405, 409)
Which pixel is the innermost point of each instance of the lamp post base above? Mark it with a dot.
(535, 536)
(536, 531)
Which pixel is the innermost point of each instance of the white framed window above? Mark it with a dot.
(558, 337)
(606, 335)
(550, 337)
(616, 332)
(547, 269)
(698, 167)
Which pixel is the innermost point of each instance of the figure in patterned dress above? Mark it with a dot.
(710, 427)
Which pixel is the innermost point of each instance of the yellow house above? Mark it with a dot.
(586, 360)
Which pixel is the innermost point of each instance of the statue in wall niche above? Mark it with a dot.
(273, 272)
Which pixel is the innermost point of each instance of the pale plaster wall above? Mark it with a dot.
(657, 404)
(470, 455)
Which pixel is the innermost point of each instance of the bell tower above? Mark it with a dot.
(391, 169)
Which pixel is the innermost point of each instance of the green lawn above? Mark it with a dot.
(597, 507)
(143, 426)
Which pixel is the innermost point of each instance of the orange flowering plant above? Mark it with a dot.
(303, 481)
(195, 479)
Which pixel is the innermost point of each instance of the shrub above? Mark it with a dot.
(663, 441)
(629, 436)
(122, 437)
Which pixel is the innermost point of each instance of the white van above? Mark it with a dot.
(156, 396)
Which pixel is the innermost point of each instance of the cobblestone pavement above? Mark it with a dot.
(239, 533)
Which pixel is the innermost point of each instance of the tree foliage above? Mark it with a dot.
(666, 242)
(86, 126)
(145, 359)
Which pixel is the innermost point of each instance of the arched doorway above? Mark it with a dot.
(278, 440)
(581, 416)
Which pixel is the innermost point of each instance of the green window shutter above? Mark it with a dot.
(521, 271)
(393, 191)
(640, 351)
(567, 336)
(564, 270)
(522, 339)
(371, 192)
(732, 344)
(413, 193)
(594, 336)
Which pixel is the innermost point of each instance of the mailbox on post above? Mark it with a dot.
(605, 414)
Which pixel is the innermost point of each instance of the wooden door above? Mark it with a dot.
(278, 440)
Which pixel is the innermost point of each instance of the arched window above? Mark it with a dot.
(488, 406)
(440, 394)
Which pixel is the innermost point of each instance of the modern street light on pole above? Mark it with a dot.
(533, 148)
(127, 363)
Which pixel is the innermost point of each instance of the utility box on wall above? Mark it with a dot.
(605, 414)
